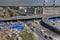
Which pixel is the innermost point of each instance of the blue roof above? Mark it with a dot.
(18, 26)
(54, 18)
(7, 25)
(1, 22)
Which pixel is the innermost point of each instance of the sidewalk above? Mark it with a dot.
(36, 37)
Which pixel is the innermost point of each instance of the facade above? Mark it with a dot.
(2, 11)
(51, 10)
(40, 10)
(28, 10)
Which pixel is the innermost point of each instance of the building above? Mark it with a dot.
(2, 11)
(43, 6)
(26, 9)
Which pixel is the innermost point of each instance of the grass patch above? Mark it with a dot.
(27, 36)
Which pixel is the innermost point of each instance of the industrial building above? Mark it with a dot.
(41, 6)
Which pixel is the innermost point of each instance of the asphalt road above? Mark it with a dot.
(21, 17)
(42, 31)
(37, 29)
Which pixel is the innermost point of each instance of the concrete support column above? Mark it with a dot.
(35, 11)
(43, 10)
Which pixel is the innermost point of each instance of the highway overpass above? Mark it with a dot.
(48, 24)
(22, 17)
